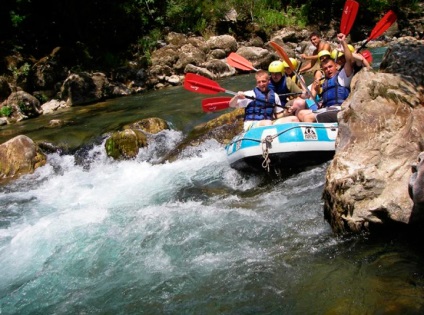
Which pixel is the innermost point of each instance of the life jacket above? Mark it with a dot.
(262, 107)
(333, 93)
(279, 88)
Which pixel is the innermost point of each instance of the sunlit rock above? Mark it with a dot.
(381, 131)
(258, 56)
(225, 42)
(19, 156)
(151, 125)
(223, 129)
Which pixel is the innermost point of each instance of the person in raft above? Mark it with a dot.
(282, 82)
(335, 88)
(261, 105)
(320, 45)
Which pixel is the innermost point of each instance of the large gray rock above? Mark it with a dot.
(259, 57)
(189, 54)
(225, 42)
(381, 131)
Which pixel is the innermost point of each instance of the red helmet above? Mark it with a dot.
(367, 55)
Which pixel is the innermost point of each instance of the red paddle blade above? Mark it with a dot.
(367, 55)
(349, 15)
(214, 104)
(386, 21)
(239, 62)
(198, 84)
(282, 54)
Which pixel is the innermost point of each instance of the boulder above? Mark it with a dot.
(52, 105)
(189, 54)
(23, 105)
(259, 57)
(380, 134)
(85, 88)
(226, 42)
(165, 56)
(151, 125)
(19, 156)
(219, 68)
(222, 129)
(125, 144)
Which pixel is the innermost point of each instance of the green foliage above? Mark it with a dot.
(16, 19)
(271, 19)
(5, 111)
(146, 44)
(99, 37)
(21, 72)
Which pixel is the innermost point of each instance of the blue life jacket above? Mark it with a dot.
(262, 107)
(333, 93)
(279, 88)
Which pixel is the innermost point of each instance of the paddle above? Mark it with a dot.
(199, 84)
(348, 16)
(240, 62)
(286, 58)
(367, 55)
(386, 21)
(214, 104)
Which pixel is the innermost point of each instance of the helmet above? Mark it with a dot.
(276, 66)
(367, 55)
(336, 54)
(323, 53)
(351, 48)
(293, 61)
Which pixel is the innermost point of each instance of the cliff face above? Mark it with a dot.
(381, 133)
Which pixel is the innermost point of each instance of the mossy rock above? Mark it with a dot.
(151, 125)
(125, 144)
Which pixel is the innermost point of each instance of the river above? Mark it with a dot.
(189, 237)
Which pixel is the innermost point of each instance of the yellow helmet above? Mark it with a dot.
(335, 53)
(293, 61)
(351, 48)
(323, 53)
(276, 66)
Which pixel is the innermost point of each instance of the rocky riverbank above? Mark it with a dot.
(376, 178)
(40, 87)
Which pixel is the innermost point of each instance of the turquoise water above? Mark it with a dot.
(189, 237)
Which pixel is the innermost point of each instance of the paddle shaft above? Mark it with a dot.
(219, 103)
(386, 21)
(286, 58)
(199, 84)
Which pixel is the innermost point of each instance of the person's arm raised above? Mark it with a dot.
(348, 67)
